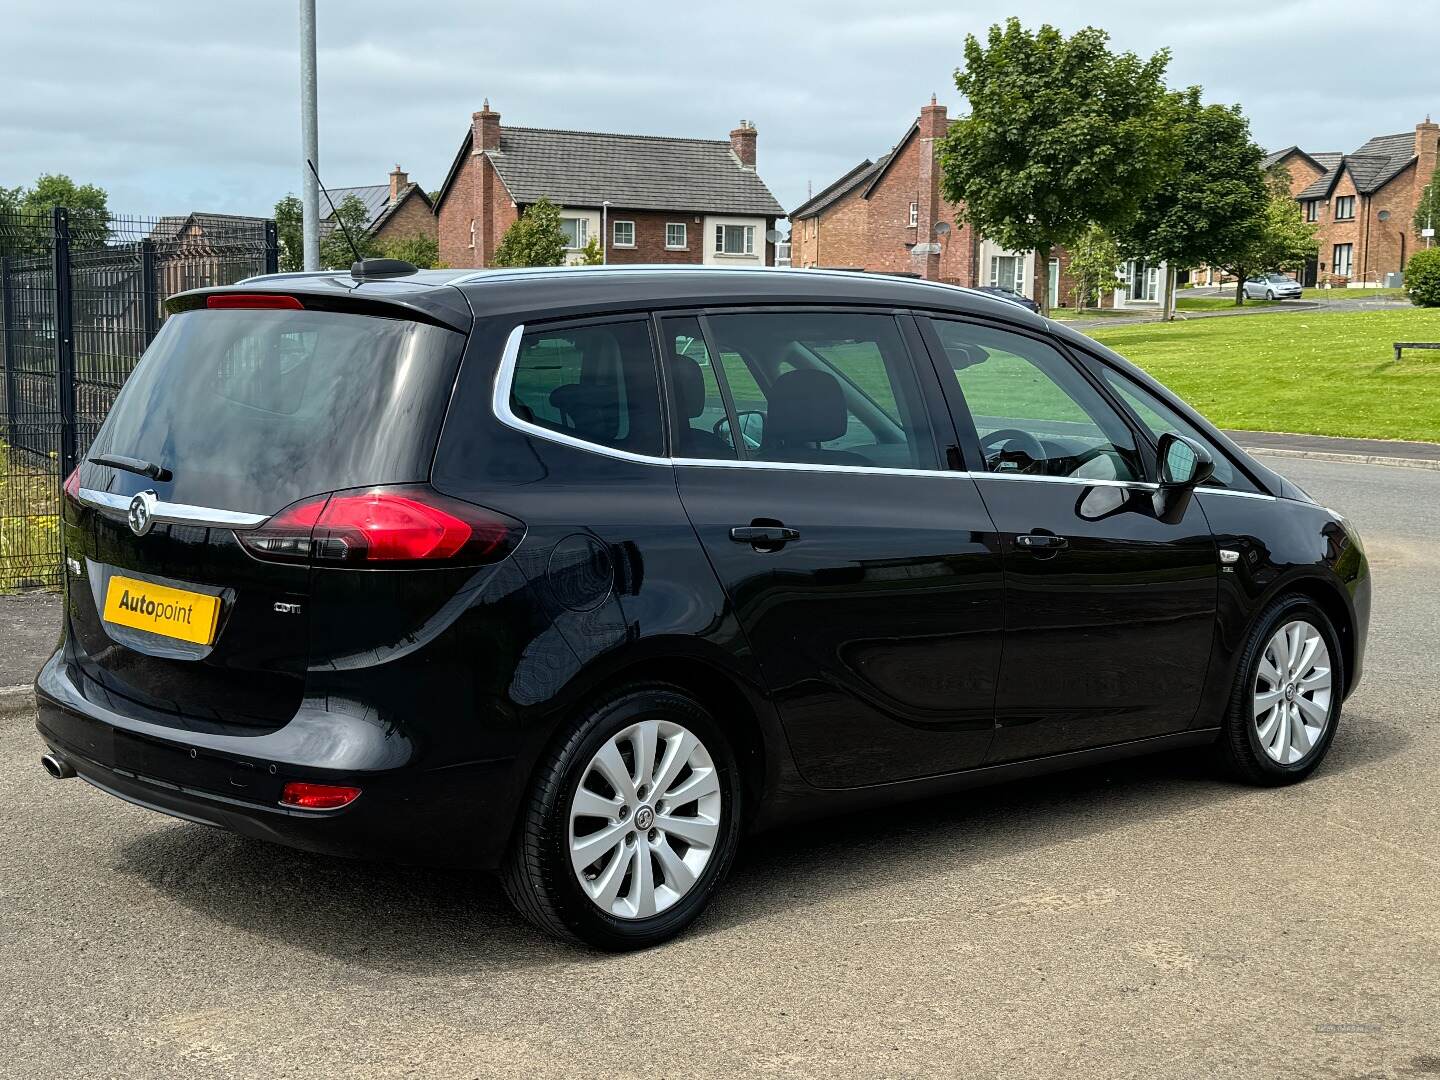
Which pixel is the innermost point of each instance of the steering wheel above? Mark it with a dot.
(1012, 445)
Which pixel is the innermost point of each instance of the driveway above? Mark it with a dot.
(1137, 920)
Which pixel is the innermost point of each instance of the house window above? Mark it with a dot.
(577, 232)
(1007, 272)
(472, 232)
(914, 214)
(675, 235)
(1341, 260)
(1312, 210)
(624, 234)
(1345, 208)
(735, 239)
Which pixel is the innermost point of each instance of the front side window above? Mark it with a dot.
(675, 235)
(1159, 418)
(824, 388)
(1034, 413)
(735, 239)
(1342, 259)
(624, 234)
(577, 232)
(1345, 208)
(596, 383)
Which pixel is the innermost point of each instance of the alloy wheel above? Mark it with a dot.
(645, 819)
(1293, 687)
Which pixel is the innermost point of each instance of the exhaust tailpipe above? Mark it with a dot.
(57, 767)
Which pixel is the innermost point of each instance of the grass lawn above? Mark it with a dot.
(1314, 373)
(1355, 294)
(1217, 303)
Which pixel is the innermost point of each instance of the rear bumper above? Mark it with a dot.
(459, 815)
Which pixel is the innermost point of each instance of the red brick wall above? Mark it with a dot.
(411, 218)
(650, 236)
(454, 215)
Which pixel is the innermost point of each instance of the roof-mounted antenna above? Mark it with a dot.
(335, 213)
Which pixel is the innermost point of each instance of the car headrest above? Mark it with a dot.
(806, 406)
(593, 411)
(689, 385)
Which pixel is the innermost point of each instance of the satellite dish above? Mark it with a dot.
(942, 228)
(774, 236)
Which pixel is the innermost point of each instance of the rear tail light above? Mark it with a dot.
(304, 796)
(72, 485)
(396, 526)
(253, 301)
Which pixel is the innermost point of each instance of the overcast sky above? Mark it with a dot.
(174, 106)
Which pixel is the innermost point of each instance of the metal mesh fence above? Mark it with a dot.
(81, 297)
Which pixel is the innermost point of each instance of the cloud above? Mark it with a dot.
(176, 106)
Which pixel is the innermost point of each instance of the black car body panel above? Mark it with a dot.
(903, 643)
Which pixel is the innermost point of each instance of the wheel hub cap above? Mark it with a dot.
(645, 819)
(1291, 698)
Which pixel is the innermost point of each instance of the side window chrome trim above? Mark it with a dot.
(168, 513)
(500, 404)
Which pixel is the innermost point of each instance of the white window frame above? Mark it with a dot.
(914, 215)
(684, 236)
(582, 232)
(1349, 250)
(721, 231)
(472, 232)
(615, 240)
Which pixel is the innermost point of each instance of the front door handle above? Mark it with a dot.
(763, 535)
(1041, 542)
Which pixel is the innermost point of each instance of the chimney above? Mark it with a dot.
(485, 126)
(742, 143)
(933, 121)
(398, 182)
(1427, 144)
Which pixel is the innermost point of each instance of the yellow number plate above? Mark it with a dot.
(174, 613)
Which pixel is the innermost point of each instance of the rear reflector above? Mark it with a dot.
(317, 796)
(394, 526)
(251, 301)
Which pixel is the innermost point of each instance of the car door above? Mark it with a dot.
(865, 571)
(1109, 611)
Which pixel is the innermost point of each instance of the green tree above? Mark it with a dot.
(534, 239)
(335, 250)
(89, 214)
(417, 249)
(290, 230)
(1279, 237)
(1062, 134)
(590, 254)
(1205, 212)
(1094, 266)
(1422, 278)
(1427, 210)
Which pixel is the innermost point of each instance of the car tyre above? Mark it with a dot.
(1258, 744)
(540, 875)
(1269, 294)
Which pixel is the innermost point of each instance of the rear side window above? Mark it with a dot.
(252, 410)
(596, 383)
(828, 388)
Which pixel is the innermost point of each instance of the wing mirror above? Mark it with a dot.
(1183, 465)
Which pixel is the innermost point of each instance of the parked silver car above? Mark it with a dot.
(1272, 287)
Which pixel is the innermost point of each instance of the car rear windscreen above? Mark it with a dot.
(252, 410)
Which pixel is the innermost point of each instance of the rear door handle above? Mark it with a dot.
(763, 534)
(1041, 542)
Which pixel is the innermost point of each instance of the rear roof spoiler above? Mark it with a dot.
(382, 299)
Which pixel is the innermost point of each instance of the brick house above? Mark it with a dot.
(648, 199)
(1363, 204)
(888, 216)
(393, 211)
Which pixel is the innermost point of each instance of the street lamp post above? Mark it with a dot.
(309, 137)
(604, 233)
